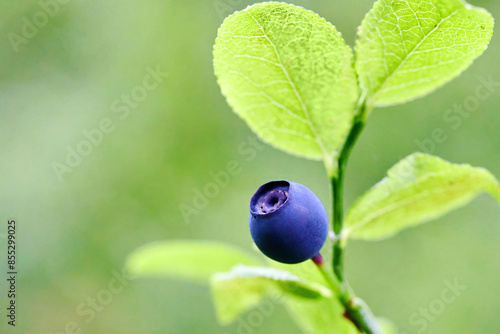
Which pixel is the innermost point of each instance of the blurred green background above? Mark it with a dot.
(76, 231)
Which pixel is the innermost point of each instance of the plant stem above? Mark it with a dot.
(331, 280)
(337, 182)
(355, 309)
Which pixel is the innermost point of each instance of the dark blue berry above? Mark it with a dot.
(288, 222)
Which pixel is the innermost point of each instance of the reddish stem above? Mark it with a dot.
(318, 260)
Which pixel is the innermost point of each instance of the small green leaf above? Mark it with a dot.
(407, 49)
(417, 189)
(289, 74)
(323, 316)
(244, 287)
(195, 261)
(318, 316)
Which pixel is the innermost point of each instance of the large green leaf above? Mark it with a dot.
(318, 316)
(244, 287)
(417, 189)
(408, 48)
(289, 74)
(195, 261)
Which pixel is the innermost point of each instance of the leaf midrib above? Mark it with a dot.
(292, 85)
(403, 202)
(408, 55)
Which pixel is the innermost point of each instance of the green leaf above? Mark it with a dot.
(387, 326)
(195, 261)
(244, 287)
(408, 48)
(318, 316)
(289, 74)
(417, 189)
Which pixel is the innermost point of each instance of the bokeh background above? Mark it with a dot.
(75, 231)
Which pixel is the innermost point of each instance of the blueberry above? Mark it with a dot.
(288, 222)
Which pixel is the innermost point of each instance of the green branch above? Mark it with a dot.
(355, 309)
(337, 182)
